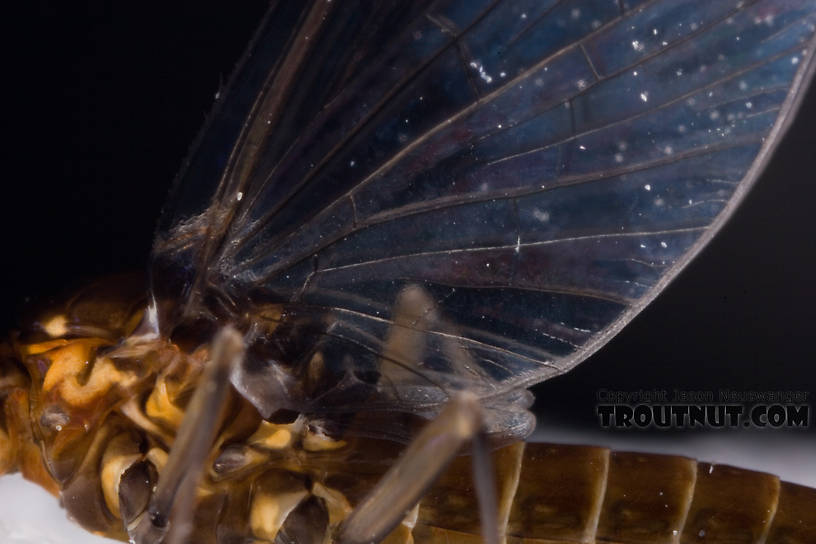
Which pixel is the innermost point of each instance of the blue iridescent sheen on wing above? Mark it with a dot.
(541, 169)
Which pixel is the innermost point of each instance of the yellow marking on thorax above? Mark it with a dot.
(275, 497)
(158, 457)
(56, 326)
(133, 412)
(336, 503)
(120, 454)
(42, 347)
(273, 436)
(159, 406)
(71, 361)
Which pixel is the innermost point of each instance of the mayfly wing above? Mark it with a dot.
(540, 170)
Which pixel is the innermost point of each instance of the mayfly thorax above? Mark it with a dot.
(397, 218)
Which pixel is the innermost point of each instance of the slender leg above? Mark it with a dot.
(170, 510)
(420, 465)
(426, 457)
(485, 483)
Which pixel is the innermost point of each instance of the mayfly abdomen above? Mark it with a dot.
(582, 494)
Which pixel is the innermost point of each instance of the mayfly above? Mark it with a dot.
(399, 217)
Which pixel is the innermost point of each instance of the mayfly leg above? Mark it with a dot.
(169, 513)
(423, 461)
(460, 422)
(485, 483)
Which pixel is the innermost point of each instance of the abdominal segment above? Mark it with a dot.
(583, 494)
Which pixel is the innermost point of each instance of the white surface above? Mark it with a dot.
(30, 515)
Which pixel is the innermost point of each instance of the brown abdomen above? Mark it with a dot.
(558, 494)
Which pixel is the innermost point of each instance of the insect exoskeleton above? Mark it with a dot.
(399, 217)
(92, 408)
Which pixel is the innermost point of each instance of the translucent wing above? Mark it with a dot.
(501, 184)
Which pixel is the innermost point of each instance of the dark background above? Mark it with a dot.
(110, 96)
